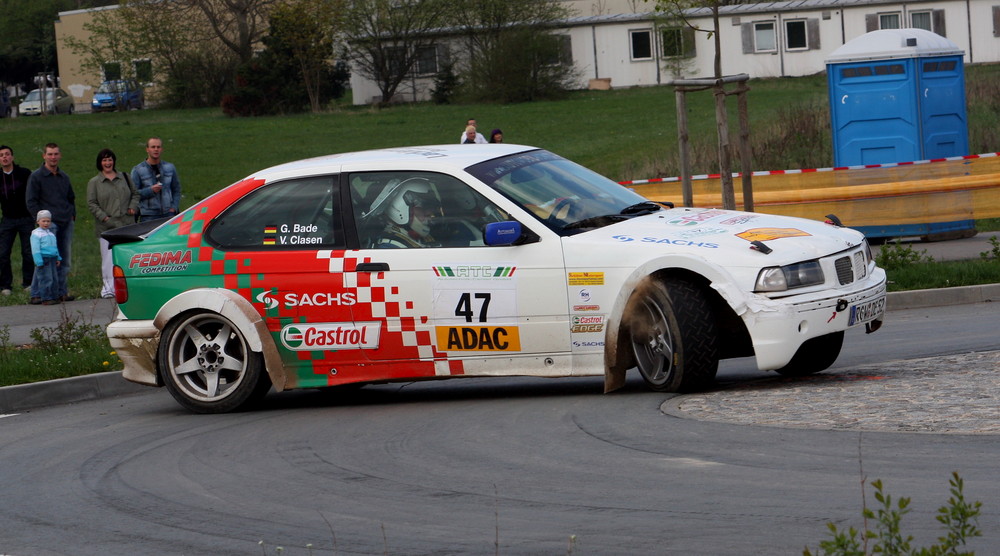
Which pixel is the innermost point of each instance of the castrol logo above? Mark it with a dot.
(330, 336)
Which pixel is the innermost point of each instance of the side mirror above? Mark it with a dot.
(502, 233)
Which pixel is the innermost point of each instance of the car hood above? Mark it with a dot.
(726, 237)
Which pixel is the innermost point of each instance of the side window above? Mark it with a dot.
(764, 39)
(795, 35)
(888, 21)
(289, 215)
(641, 44)
(418, 209)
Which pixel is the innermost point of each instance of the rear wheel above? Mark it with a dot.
(673, 335)
(815, 355)
(207, 365)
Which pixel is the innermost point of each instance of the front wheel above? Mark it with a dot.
(207, 365)
(673, 334)
(815, 355)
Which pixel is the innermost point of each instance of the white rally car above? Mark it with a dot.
(472, 260)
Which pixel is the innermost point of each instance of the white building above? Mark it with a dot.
(619, 43)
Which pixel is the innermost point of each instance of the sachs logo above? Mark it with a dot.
(292, 299)
(330, 336)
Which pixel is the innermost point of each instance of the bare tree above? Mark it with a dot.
(511, 55)
(384, 37)
(239, 24)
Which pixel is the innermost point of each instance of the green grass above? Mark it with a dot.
(26, 365)
(947, 274)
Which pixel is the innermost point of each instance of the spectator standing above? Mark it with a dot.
(16, 223)
(496, 136)
(114, 203)
(49, 188)
(158, 184)
(45, 250)
(475, 138)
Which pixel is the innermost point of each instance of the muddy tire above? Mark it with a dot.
(206, 364)
(673, 335)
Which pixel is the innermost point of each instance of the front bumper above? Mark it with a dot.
(779, 327)
(135, 342)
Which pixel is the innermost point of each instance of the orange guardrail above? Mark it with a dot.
(922, 192)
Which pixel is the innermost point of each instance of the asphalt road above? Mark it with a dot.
(491, 466)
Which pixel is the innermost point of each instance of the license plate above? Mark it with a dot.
(865, 312)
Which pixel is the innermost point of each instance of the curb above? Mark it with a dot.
(962, 295)
(108, 384)
(66, 390)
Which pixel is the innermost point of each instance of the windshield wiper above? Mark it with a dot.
(596, 221)
(644, 207)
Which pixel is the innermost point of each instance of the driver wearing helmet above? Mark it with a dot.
(409, 215)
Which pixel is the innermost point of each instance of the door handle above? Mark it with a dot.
(372, 267)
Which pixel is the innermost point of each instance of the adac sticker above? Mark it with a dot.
(330, 336)
(766, 234)
(478, 338)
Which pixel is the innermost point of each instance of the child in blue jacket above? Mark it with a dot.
(45, 251)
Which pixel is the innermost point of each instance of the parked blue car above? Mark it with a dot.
(118, 94)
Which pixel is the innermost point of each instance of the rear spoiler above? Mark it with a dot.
(132, 232)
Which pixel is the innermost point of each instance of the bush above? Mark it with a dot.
(960, 520)
(445, 84)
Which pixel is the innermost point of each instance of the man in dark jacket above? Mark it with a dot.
(49, 189)
(16, 222)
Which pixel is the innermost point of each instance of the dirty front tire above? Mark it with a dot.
(673, 335)
(815, 355)
(206, 364)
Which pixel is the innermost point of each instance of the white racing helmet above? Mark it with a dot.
(411, 193)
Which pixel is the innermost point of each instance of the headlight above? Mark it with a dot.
(782, 278)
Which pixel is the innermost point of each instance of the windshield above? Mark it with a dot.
(37, 95)
(561, 194)
(108, 87)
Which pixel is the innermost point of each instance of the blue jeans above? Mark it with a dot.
(47, 280)
(64, 237)
(10, 230)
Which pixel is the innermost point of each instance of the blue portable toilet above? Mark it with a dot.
(897, 95)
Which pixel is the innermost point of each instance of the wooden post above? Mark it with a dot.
(685, 147)
(725, 163)
(746, 154)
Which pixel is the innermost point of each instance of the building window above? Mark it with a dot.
(888, 21)
(764, 39)
(921, 20)
(426, 60)
(143, 70)
(795, 35)
(641, 43)
(561, 53)
(111, 70)
(677, 42)
(396, 59)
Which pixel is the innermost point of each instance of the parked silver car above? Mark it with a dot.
(56, 101)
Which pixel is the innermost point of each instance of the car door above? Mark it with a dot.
(445, 301)
(290, 238)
